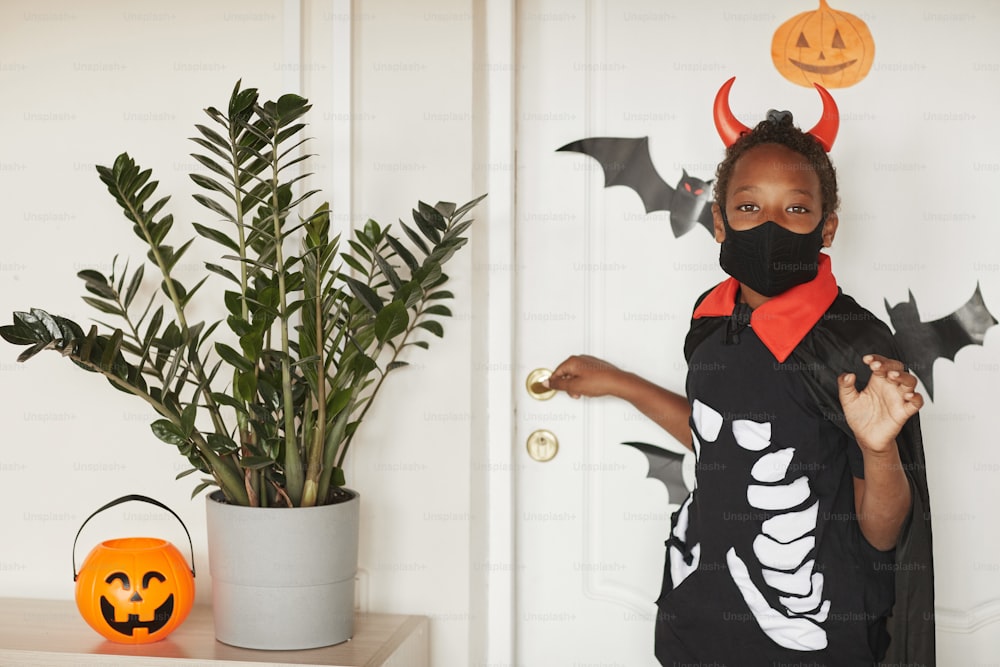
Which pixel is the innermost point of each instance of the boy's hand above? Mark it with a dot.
(584, 375)
(877, 414)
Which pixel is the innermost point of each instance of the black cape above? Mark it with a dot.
(835, 345)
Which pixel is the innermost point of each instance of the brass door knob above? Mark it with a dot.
(536, 389)
(543, 445)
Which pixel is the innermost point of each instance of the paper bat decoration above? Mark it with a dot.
(922, 343)
(666, 466)
(627, 162)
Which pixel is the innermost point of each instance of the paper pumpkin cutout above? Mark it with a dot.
(832, 48)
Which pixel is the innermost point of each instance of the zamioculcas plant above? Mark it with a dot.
(266, 406)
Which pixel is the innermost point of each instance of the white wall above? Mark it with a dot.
(81, 83)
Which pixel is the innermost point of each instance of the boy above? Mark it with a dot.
(810, 492)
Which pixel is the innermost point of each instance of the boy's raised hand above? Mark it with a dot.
(877, 414)
(584, 375)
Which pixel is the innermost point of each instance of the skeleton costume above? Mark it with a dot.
(766, 564)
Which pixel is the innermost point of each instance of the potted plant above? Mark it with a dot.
(265, 402)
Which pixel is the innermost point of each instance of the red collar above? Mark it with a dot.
(783, 321)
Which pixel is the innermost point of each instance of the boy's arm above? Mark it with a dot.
(584, 375)
(876, 415)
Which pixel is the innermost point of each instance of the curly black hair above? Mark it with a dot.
(779, 129)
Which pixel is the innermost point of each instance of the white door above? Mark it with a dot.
(597, 275)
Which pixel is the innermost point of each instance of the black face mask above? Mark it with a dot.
(770, 259)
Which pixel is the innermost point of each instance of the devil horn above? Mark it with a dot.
(726, 123)
(825, 130)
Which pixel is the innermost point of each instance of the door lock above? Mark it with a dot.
(543, 445)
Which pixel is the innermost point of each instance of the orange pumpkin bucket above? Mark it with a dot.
(134, 590)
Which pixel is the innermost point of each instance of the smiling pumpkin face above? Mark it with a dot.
(134, 590)
(825, 46)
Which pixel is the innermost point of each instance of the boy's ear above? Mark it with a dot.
(830, 229)
(720, 230)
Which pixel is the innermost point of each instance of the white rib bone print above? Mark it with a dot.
(782, 549)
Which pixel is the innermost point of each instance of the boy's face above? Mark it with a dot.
(773, 182)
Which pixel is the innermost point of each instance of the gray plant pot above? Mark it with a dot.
(283, 579)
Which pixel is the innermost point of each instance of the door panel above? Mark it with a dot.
(595, 275)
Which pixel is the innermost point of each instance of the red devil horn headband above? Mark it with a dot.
(730, 128)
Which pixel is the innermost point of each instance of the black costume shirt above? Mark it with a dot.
(766, 563)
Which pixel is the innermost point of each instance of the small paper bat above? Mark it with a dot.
(921, 343)
(627, 162)
(666, 466)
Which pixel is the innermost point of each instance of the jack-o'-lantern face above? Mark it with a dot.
(829, 47)
(134, 590)
(131, 599)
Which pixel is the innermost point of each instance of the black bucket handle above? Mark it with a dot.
(119, 501)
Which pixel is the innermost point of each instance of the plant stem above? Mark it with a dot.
(293, 461)
(247, 436)
(168, 281)
(315, 465)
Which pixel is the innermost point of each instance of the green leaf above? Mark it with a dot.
(229, 401)
(133, 286)
(234, 302)
(338, 401)
(438, 309)
(433, 326)
(234, 358)
(104, 306)
(445, 208)
(354, 264)
(466, 207)
(175, 256)
(204, 485)
(387, 270)
(360, 250)
(428, 229)
(290, 107)
(222, 271)
(369, 297)
(153, 328)
(188, 417)
(213, 205)
(172, 337)
(97, 283)
(211, 184)
(217, 236)
(111, 350)
(166, 431)
(221, 444)
(416, 239)
(246, 386)
(403, 252)
(209, 163)
(213, 136)
(391, 321)
(432, 215)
